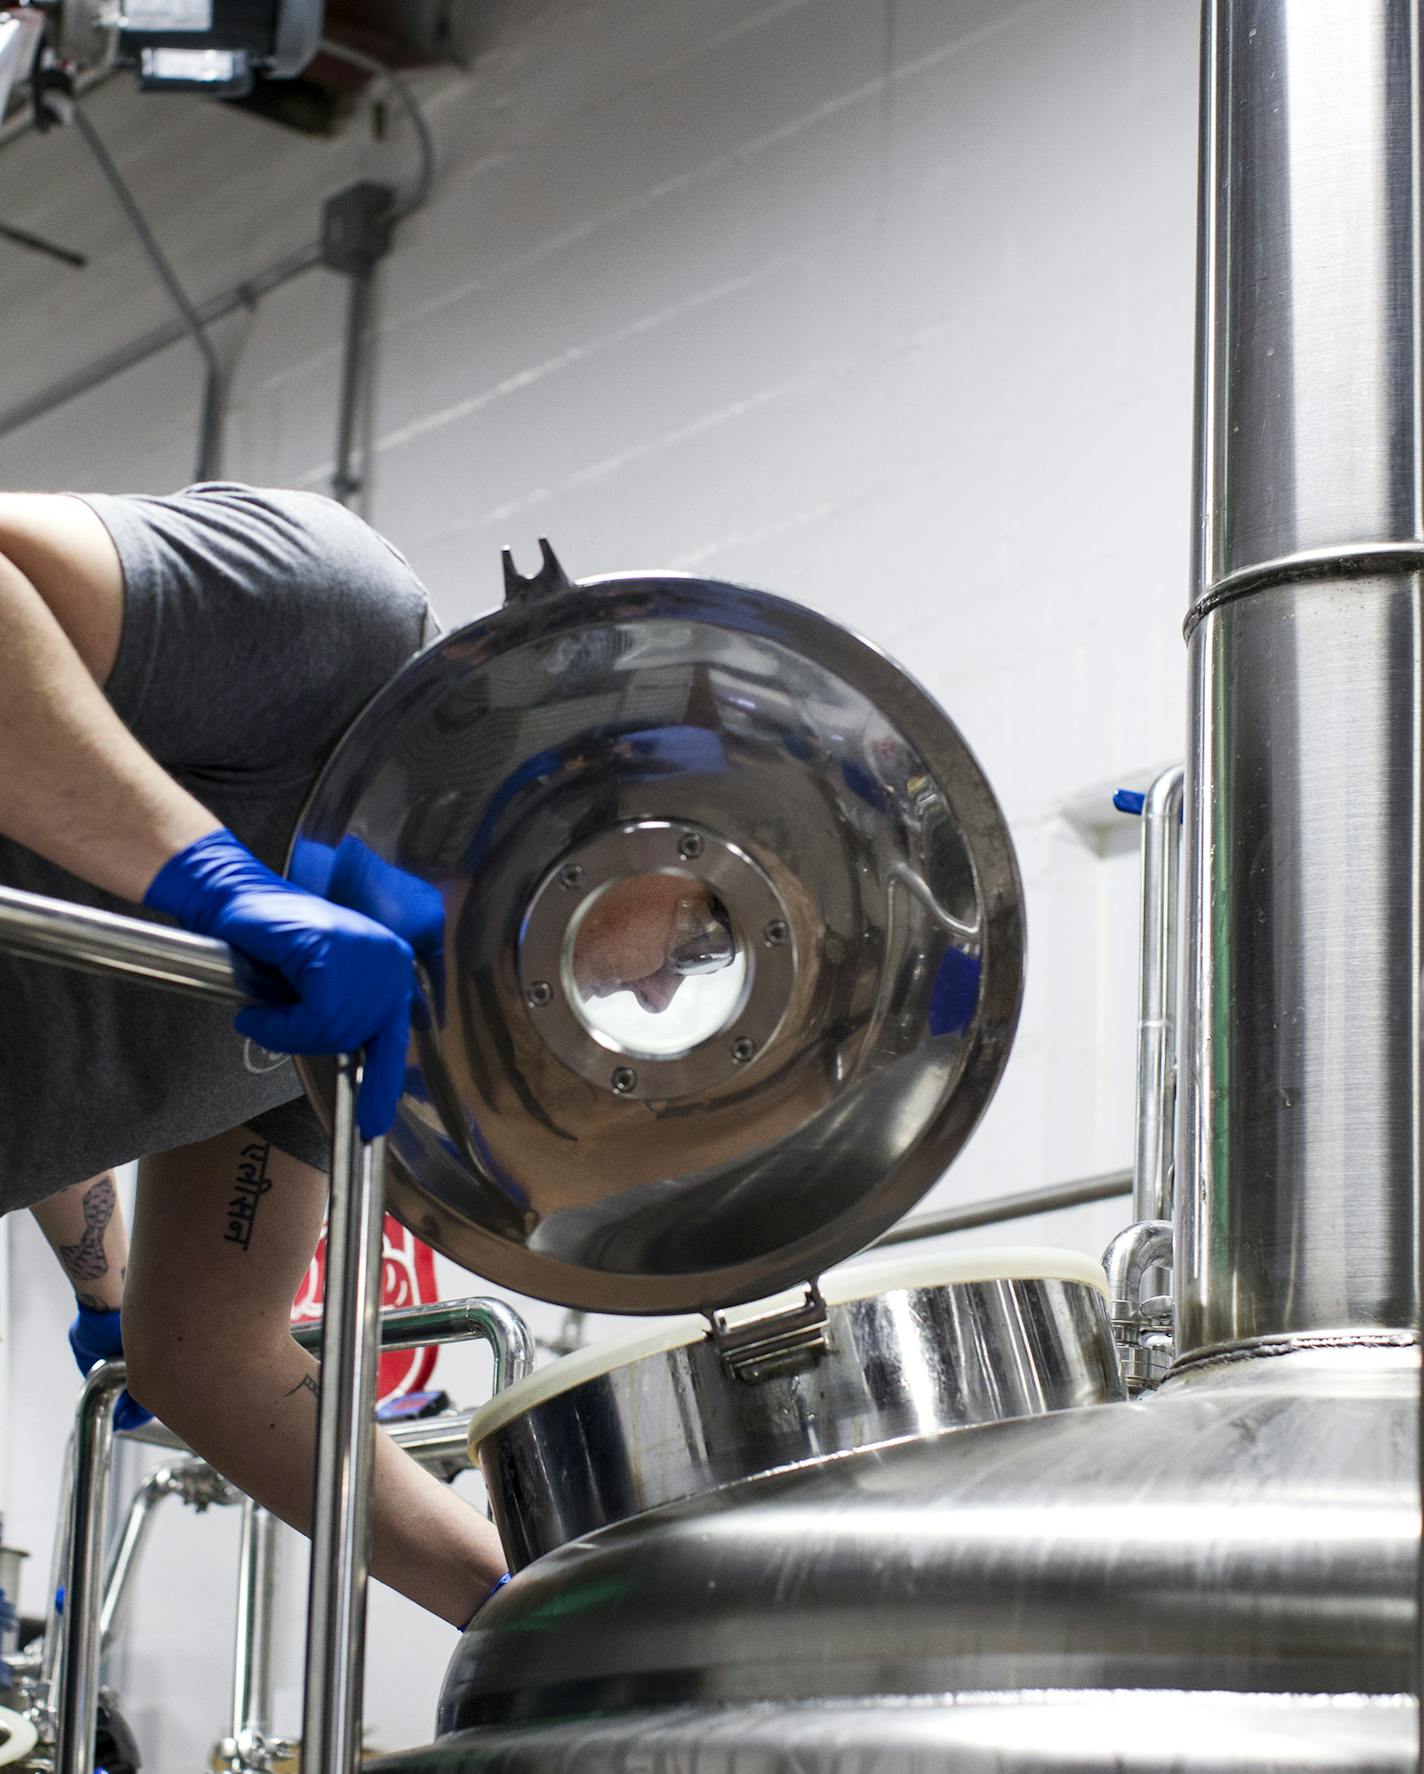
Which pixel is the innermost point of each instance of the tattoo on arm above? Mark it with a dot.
(86, 1261)
(248, 1187)
(305, 1384)
(91, 1302)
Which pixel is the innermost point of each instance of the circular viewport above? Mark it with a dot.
(652, 965)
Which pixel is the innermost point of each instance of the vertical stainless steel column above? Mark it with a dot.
(84, 1570)
(341, 1514)
(252, 1641)
(1152, 1165)
(50, 1650)
(1298, 1176)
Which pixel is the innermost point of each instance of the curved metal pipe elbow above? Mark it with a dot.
(509, 1337)
(1129, 1258)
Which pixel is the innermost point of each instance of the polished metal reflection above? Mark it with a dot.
(1301, 1106)
(1227, 1572)
(912, 1362)
(617, 960)
(1154, 1156)
(486, 778)
(1140, 1250)
(1252, 1529)
(250, 1743)
(1298, 1210)
(1087, 1732)
(191, 1480)
(1308, 376)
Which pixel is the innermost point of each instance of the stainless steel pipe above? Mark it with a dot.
(192, 1480)
(49, 930)
(341, 1492)
(132, 948)
(1002, 1208)
(452, 1321)
(155, 1486)
(51, 1648)
(1153, 1162)
(78, 1685)
(1299, 1212)
(251, 1737)
(1252, 1533)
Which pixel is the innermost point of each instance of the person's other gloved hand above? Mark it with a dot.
(353, 978)
(354, 875)
(98, 1336)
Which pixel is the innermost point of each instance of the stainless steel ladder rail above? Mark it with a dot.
(67, 935)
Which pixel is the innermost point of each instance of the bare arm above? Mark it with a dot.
(208, 1335)
(75, 785)
(85, 1229)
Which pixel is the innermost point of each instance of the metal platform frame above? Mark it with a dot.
(349, 1339)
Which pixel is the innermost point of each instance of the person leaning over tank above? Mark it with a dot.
(175, 672)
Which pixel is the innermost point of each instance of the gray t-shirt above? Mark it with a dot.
(256, 625)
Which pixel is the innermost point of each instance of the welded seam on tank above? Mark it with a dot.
(1360, 560)
(1304, 1343)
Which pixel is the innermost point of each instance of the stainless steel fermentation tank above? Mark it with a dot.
(1224, 1575)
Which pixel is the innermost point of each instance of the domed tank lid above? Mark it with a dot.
(719, 928)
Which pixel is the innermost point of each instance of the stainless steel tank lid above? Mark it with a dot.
(852, 1281)
(720, 926)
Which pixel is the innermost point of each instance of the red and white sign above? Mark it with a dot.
(407, 1279)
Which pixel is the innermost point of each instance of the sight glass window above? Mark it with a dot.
(653, 967)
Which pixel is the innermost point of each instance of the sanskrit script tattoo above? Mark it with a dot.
(86, 1261)
(305, 1384)
(249, 1186)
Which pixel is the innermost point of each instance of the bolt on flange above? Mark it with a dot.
(624, 1079)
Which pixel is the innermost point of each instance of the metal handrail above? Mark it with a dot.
(1025, 1205)
(91, 941)
(97, 942)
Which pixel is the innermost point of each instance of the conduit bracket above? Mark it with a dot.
(356, 227)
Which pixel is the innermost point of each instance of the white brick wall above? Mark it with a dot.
(883, 304)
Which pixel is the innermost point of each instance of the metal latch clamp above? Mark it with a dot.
(775, 1344)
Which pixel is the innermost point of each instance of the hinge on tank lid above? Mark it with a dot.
(777, 1343)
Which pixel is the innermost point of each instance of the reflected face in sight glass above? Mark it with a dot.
(652, 964)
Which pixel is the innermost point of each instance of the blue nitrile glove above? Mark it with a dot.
(353, 978)
(354, 875)
(98, 1336)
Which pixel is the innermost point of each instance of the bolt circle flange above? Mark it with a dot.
(744, 896)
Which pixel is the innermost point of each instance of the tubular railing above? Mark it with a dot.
(52, 931)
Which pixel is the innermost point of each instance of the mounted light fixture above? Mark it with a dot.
(19, 40)
(214, 46)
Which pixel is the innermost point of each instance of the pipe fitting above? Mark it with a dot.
(1141, 1327)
